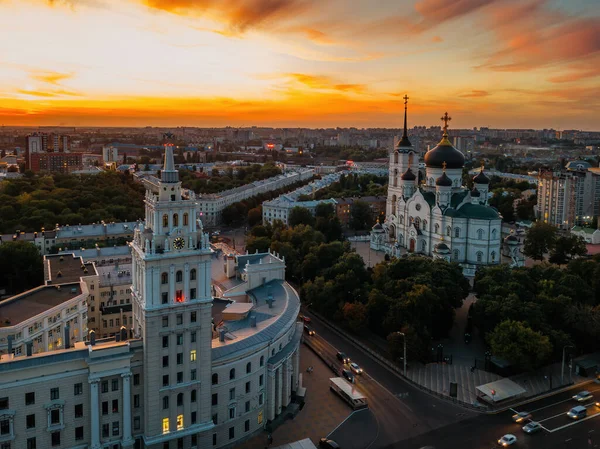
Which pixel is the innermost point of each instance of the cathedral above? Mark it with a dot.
(431, 213)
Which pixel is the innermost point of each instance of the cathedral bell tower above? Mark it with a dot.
(171, 296)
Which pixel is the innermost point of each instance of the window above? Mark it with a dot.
(165, 361)
(479, 256)
(493, 255)
(180, 377)
(192, 293)
(261, 380)
(165, 221)
(165, 321)
(105, 407)
(78, 389)
(448, 231)
(55, 438)
(261, 399)
(247, 425)
(232, 374)
(179, 339)
(214, 439)
(105, 430)
(455, 254)
(30, 398)
(180, 399)
(262, 360)
(29, 422)
(175, 220)
(136, 423)
(31, 443)
(215, 379)
(418, 223)
(193, 274)
(166, 380)
(179, 276)
(436, 228)
(185, 219)
(193, 317)
(54, 416)
(166, 445)
(179, 319)
(193, 337)
(179, 443)
(115, 406)
(193, 374)
(165, 341)
(248, 368)
(179, 422)
(115, 385)
(232, 413)
(164, 298)
(165, 425)
(54, 394)
(193, 355)
(78, 410)
(115, 428)
(231, 394)
(193, 417)
(164, 278)
(79, 433)
(180, 358)
(104, 386)
(247, 407)
(193, 396)
(456, 232)
(215, 399)
(231, 433)
(136, 379)
(247, 387)
(136, 401)
(480, 234)
(493, 234)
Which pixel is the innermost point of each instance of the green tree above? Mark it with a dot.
(300, 215)
(520, 345)
(21, 267)
(255, 216)
(355, 316)
(539, 240)
(361, 217)
(566, 248)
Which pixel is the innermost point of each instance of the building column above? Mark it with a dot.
(94, 414)
(285, 383)
(278, 389)
(127, 438)
(271, 395)
(288, 382)
(186, 281)
(296, 377)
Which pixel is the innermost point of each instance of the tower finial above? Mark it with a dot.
(169, 173)
(444, 166)
(446, 119)
(404, 142)
(482, 165)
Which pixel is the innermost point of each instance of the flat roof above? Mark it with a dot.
(21, 307)
(114, 274)
(65, 268)
(501, 390)
(301, 444)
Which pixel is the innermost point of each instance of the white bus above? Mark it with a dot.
(348, 393)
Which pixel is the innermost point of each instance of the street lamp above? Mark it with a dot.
(404, 359)
(562, 366)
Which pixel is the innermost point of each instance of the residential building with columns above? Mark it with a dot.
(188, 371)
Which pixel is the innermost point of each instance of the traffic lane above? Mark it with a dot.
(358, 431)
(561, 420)
(431, 411)
(562, 397)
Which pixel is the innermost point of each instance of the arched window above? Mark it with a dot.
(455, 254)
(449, 231)
(193, 274)
(179, 276)
(185, 219)
(410, 158)
(164, 278)
(180, 399)
(401, 219)
(395, 157)
(394, 200)
(401, 239)
(431, 182)
(418, 223)
(436, 228)
(215, 379)
(232, 374)
(248, 368)
(411, 219)
(423, 246)
(479, 256)
(424, 225)
(165, 221)
(262, 360)
(480, 234)
(175, 220)
(396, 177)
(456, 232)
(493, 234)
(493, 256)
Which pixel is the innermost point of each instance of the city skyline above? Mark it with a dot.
(500, 64)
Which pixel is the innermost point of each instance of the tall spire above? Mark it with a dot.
(169, 173)
(404, 142)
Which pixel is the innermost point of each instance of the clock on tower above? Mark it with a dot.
(179, 243)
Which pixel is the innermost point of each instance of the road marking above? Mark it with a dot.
(552, 417)
(559, 402)
(573, 423)
(513, 410)
(566, 441)
(347, 417)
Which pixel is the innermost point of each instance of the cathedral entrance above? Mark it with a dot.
(412, 246)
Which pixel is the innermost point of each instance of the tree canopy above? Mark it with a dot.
(21, 267)
(539, 240)
(520, 345)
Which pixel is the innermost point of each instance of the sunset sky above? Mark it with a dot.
(315, 63)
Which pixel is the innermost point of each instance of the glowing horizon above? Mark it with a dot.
(299, 63)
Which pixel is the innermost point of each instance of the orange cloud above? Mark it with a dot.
(326, 83)
(439, 11)
(51, 77)
(476, 94)
(47, 94)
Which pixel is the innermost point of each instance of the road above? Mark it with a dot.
(402, 411)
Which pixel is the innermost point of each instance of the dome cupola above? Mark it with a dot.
(481, 178)
(444, 151)
(404, 142)
(408, 175)
(444, 180)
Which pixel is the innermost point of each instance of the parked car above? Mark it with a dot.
(309, 330)
(521, 416)
(348, 375)
(306, 319)
(583, 396)
(355, 368)
(328, 444)
(577, 412)
(342, 357)
(507, 440)
(532, 427)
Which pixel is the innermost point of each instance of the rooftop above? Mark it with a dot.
(21, 307)
(66, 268)
(100, 253)
(95, 230)
(114, 275)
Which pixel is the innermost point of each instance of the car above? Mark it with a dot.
(309, 330)
(306, 319)
(521, 416)
(583, 396)
(507, 440)
(328, 444)
(348, 375)
(342, 357)
(532, 427)
(597, 404)
(577, 412)
(355, 368)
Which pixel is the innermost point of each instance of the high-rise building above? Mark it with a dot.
(36, 144)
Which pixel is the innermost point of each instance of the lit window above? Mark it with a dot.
(165, 425)
(193, 355)
(179, 422)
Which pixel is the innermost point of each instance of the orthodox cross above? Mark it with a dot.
(446, 119)
(444, 166)
(405, 98)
